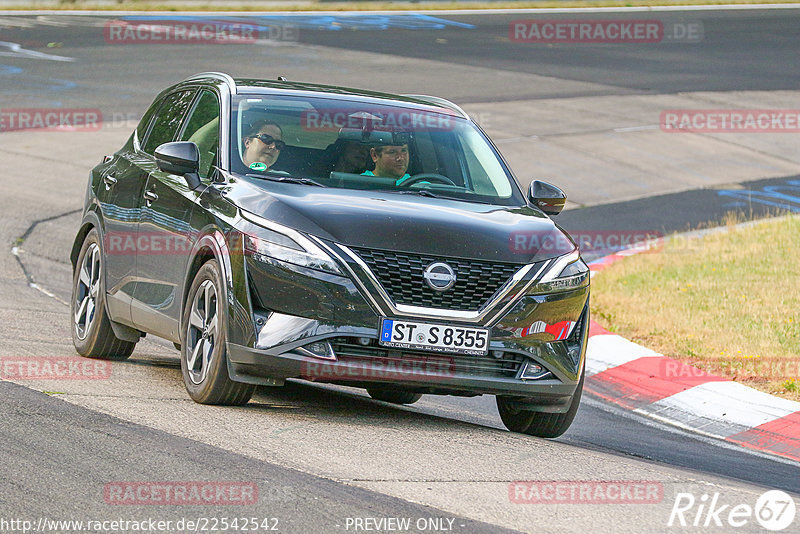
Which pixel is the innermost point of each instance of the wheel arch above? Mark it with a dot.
(211, 244)
(90, 221)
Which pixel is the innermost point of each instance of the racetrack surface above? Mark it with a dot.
(322, 454)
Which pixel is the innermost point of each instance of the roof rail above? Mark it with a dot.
(218, 75)
(441, 102)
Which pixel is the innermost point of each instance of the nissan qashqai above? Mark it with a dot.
(275, 230)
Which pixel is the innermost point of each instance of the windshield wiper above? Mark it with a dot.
(429, 194)
(418, 192)
(280, 177)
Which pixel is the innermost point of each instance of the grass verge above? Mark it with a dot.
(728, 303)
(356, 5)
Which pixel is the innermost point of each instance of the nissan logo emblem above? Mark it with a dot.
(439, 276)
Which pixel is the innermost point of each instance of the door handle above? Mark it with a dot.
(110, 181)
(150, 197)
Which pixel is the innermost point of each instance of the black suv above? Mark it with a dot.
(277, 230)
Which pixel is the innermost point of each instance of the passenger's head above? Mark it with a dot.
(352, 157)
(390, 161)
(263, 143)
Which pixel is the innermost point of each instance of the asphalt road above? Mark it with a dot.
(76, 449)
(727, 51)
(320, 455)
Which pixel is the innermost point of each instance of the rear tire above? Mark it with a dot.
(204, 359)
(92, 334)
(396, 396)
(540, 424)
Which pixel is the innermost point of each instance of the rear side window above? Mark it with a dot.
(168, 119)
(202, 128)
(141, 129)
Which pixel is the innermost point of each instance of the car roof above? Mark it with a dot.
(261, 86)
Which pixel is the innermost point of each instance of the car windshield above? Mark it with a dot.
(345, 144)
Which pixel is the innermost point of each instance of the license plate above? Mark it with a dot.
(434, 337)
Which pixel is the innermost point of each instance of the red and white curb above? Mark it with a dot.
(639, 379)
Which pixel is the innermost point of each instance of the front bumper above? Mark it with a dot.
(294, 308)
(442, 374)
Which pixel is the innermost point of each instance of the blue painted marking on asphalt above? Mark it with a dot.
(774, 195)
(60, 85)
(35, 82)
(8, 69)
(349, 21)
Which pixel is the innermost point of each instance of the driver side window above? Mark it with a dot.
(202, 129)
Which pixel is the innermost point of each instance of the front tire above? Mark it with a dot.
(540, 424)
(204, 360)
(92, 334)
(396, 396)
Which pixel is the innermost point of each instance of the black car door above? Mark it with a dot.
(165, 231)
(119, 194)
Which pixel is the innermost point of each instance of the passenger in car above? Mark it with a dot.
(262, 145)
(390, 161)
(352, 157)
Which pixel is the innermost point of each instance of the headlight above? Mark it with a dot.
(285, 244)
(567, 272)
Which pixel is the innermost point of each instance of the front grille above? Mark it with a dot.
(400, 274)
(443, 363)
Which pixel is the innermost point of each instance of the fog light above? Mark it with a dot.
(497, 354)
(317, 349)
(364, 341)
(533, 371)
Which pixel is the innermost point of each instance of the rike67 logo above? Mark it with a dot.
(774, 510)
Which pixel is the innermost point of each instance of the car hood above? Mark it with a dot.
(408, 223)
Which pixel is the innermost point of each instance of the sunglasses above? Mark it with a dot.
(269, 140)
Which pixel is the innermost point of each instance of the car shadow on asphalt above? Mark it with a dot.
(332, 402)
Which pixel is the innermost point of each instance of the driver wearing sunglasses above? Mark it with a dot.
(262, 145)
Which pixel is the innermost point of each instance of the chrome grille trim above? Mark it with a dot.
(477, 317)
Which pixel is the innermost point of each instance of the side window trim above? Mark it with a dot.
(141, 137)
(213, 169)
(193, 106)
(153, 118)
(191, 89)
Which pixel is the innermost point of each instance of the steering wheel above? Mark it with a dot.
(426, 176)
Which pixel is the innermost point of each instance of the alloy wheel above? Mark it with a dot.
(86, 293)
(202, 332)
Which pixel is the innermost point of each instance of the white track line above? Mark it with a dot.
(16, 50)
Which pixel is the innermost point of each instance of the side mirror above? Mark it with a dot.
(181, 158)
(547, 197)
